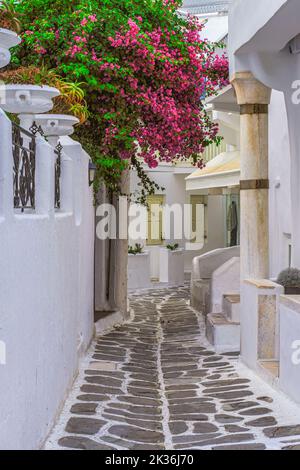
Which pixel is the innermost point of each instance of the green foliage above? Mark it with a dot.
(9, 18)
(173, 247)
(289, 278)
(136, 250)
(74, 38)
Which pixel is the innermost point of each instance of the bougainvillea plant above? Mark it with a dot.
(145, 69)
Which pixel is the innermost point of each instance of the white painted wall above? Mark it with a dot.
(290, 346)
(280, 183)
(225, 280)
(46, 292)
(216, 232)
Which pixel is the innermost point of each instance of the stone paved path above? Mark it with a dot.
(155, 383)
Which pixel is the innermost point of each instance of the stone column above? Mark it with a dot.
(254, 98)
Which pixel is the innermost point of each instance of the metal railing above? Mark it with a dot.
(57, 174)
(24, 155)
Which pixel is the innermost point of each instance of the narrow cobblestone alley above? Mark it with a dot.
(155, 383)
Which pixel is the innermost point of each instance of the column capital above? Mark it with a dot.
(249, 90)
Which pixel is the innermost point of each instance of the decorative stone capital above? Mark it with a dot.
(249, 90)
(56, 125)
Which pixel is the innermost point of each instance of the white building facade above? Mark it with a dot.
(264, 69)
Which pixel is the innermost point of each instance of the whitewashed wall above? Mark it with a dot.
(280, 217)
(46, 292)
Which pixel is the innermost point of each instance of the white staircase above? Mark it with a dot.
(223, 329)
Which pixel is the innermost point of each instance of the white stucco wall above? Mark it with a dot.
(46, 293)
(290, 346)
(280, 183)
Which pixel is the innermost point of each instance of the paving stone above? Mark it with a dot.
(139, 383)
(84, 408)
(131, 445)
(173, 388)
(197, 373)
(153, 377)
(232, 438)
(127, 414)
(138, 409)
(141, 423)
(225, 389)
(234, 428)
(135, 434)
(84, 425)
(193, 408)
(255, 412)
(103, 373)
(178, 427)
(229, 395)
(82, 443)
(105, 381)
(188, 394)
(262, 422)
(213, 359)
(199, 428)
(93, 397)
(213, 365)
(140, 401)
(266, 399)
(226, 383)
(190, 439)
(296, 447)
(104, 357)
(239, 405)
(282, 431)
(101, 390)
(143, 392)
(241, 447)
(227, 419)
(190, 417)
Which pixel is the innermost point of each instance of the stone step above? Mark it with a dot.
(231, 307)
(222, 333)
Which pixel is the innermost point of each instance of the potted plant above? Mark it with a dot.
(136, 250)
(171, 264)
(30, 90)
(9, 18)
(172, 247)
(138, 267)
(290, 280)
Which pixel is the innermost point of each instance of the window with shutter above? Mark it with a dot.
(199, 219)
(155, 222)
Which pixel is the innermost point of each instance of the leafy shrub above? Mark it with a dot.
(173, 247)
(136, 250)
(145, 70)
(289, 278)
